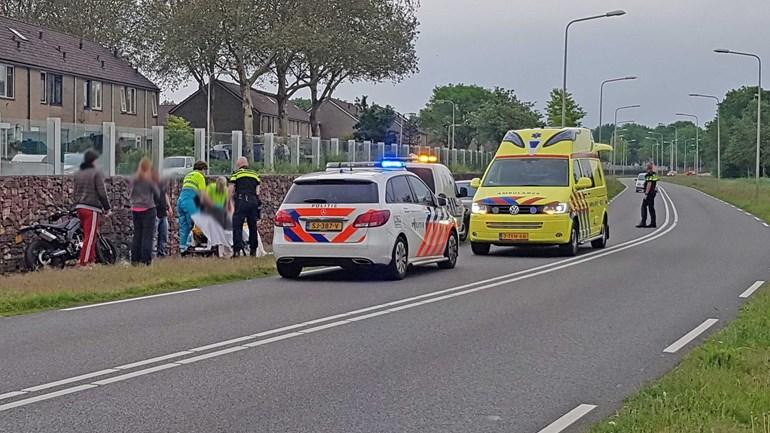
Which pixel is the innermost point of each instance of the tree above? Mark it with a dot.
(302, 103)
(574, 112)
(500, 113)
(179, 136)
(374, 122)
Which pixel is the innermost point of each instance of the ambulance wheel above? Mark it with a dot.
(602, 241)
(480, 249)
(399, 261)
(571, 249)
(451, 251)
(289, 270)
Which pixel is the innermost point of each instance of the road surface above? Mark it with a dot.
(514, 342)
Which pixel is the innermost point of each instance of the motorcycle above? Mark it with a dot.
(60, 241)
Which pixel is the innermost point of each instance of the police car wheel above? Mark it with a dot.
(399, 262)
(466, 228)
(480, 249)
(571, 249)
(288, 270)
(451, 251)
(602, 241)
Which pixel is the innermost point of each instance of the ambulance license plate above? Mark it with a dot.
(514, 236)
(324, 226)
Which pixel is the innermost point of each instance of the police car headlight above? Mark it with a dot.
(556, 208)
(479, 208)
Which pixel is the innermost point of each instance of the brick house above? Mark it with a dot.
(227, 111)
(338, 119)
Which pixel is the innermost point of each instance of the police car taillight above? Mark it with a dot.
(284, 219)
(373, 218)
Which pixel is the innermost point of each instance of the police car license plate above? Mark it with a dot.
(324, 226)
(514, 236)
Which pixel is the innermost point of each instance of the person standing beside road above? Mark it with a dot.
(245, 192)
(193, 192)
(143, 196)
(164, 211)
(648, 203)
(90, 199)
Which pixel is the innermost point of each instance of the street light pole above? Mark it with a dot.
(601, 99)
(697, 139)
(616, 13)
(454, 108)
(615, 130)
(759, 108)
(719, 134)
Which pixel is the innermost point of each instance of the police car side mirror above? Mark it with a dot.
(584, 183)
(463, 192)
(476, 182)
(441, 201)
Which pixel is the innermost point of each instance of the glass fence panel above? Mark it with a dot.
(132, 145)
(24, 148)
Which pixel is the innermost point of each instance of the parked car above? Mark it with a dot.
(177, 166)
(72, 162)
(640, 182)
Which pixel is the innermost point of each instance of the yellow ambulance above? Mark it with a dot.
(544, 187)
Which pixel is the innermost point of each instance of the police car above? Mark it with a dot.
(363, 215)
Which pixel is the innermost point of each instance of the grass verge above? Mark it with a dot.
(720, 387)
(740, 192)
(31, 292)
(614, 187)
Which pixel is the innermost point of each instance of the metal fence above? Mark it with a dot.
(52, 147)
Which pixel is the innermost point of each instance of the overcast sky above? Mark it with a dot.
(518, 45)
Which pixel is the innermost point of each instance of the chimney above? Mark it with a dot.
(40, 34)
(81, 44)
(58, 48)
(64, 55)
(98, 57)
(102, 64)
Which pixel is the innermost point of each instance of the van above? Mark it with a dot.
(441, 182)
(544, 187)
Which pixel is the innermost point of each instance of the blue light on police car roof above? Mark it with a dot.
(392, 164)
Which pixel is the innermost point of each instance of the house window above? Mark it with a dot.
(55, 89)
(128, 100)
(92, 95)
(43, 88)
(154, 104)
(6, 81)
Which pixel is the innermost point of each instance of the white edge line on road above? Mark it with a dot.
(690, 336)
(434, 297)
(82, 307)
(765, 224)
(11, 394)
(134, 374)
(568, 419)
(750, 291)
(154, 360)
(69, 380)
(757, 218)
(48, 396)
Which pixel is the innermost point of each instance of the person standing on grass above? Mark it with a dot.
(245, 192)
(144, 193)
(164, 212)
(193, 192)
(90, 199)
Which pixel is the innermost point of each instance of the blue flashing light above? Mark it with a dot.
(392, 164)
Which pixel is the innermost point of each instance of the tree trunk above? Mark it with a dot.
(283, 117)
(315, 105)
(248, 120)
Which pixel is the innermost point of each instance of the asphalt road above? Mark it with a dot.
(508, 343)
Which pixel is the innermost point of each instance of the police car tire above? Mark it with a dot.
(288, 270)
(451, 252)
(392, 271)
(570, 249)
(480, 249)
(602, 241)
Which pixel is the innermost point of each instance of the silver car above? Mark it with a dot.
(640, 182)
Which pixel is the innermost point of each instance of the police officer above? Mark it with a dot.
(648, 203)
(244, 186)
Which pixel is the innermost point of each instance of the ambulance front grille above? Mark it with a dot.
(515, 225)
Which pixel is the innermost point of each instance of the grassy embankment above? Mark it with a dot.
(724, 385)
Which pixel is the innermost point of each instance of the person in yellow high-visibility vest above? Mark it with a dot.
(193, 192)
(220, 199)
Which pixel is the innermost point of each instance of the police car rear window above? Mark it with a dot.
(332, 192)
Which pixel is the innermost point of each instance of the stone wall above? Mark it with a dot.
(27, 199)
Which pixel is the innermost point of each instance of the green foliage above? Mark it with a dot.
(374, 121)
(483, 116)
(180, 140)
(574, 112)
(302, 103)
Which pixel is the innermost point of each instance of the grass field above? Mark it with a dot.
(30, 292)
(614, 186)
(724, 385)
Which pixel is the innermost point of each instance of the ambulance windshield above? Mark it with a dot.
(528, 172)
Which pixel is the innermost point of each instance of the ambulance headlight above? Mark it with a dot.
(479, 208)
(556, 209)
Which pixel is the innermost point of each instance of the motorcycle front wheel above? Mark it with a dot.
(106, 253)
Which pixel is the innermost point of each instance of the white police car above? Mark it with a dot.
(363, 215)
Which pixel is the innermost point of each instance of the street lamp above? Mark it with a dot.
(719, 135)
(655, 146)
(759, 105)
(615, 130)
(454, 108)
(601, 98)
(697, 140)
(660, 144)
(615, 13)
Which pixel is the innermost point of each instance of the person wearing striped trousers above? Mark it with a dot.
(90, 199)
